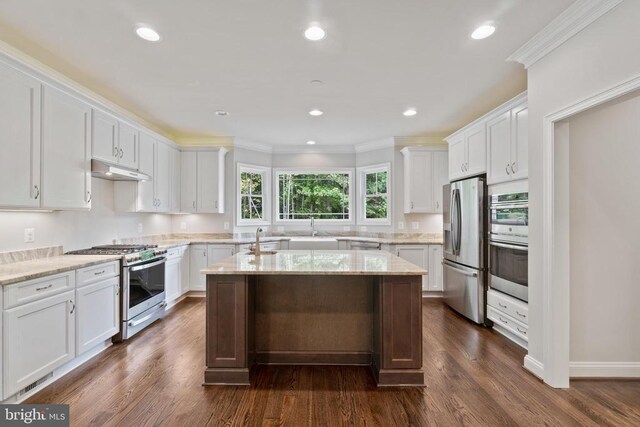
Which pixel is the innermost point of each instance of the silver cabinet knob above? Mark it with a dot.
(513, 167)
(88, 196)
(35, 187)
(115, 152)
(507, 169)
(121, 153)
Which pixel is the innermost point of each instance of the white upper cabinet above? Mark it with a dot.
(202, 181)
(163, 177)
(507, 136)
(20, 104)
(188, 182)
(128, 145)
(174, 184)
(104, 137)
(423, 179)
(66, 148)
(146, 189)
(496, 144)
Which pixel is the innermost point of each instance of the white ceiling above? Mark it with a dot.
(249, 57)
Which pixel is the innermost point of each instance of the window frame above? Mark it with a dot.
(310, 170)
(362, 172)
(266, 194)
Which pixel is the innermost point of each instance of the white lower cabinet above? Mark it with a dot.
(173, 274)
(38, 337)
(510, 316)
(428, 257)
(185, 270)
(197, 261)
(97, 313)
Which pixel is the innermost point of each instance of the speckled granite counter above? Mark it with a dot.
(349, 263)
(41, 267)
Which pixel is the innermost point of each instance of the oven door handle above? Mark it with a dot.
(135, 323)
(506, 246)
(149, 265)
(496, 206)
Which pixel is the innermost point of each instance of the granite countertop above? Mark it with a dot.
(41, 267)
(326, 262)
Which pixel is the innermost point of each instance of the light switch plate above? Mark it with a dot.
(226, 225)
(415, 225)
(139, 227)
(401, 225)
(29, 235)
(183, 225)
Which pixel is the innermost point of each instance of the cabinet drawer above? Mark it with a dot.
(272, 246)
(174, 253)
(508, 305)
(32, 290)
(508, 323)
(95, 273)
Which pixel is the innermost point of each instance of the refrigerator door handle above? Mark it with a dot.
(458, 218)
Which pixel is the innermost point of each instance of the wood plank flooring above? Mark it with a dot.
(474, 378)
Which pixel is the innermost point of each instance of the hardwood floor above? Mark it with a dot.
(474, 377)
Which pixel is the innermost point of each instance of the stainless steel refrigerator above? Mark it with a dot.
(464, 265)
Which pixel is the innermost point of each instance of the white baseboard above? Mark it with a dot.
(604, 369)
(534, 366)
(431, 294)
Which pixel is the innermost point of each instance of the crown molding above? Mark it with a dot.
(374, 145)
(324, 149)
(566, 25)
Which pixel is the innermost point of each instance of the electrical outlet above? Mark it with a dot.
(226, 225)
(29, 235)
(139, 227)
(415, 225)
(346, 228)
(401, 225)
(363, 228)
(280, 229)
(183, 225)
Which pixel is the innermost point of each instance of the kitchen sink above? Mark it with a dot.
(266, 252)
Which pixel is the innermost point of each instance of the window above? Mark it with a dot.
(323, 195)
(374, 195)
(253, 195)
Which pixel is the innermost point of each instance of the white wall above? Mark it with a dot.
(81, 229)
(602, 55)
(605, 233)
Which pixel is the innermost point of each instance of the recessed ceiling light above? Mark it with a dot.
(482, 32)
(316, 112)
(311, 142)
(148, 34)
(221, 113)
(317, 82)
(314, 33)
(410, 112)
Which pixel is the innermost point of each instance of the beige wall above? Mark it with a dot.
(605, 233)
(602, 55)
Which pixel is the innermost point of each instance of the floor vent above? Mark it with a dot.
(34, 384)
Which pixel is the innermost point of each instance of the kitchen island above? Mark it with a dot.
(314, 307)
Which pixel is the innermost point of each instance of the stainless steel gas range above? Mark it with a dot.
(142, 283)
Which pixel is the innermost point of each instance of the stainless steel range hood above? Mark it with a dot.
(115, 173)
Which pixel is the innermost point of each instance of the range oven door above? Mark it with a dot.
(509, 269)
(144, 287)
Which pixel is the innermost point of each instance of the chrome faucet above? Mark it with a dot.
(313, 227)
(256, 248)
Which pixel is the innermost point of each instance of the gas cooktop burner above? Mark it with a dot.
(113, 250)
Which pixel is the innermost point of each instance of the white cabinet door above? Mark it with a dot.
(128, 146)
(37, 338)
(499, 149)
(198, 261)
(216, 253)
(162, 177)
(476, 142)
(146, 189)
(435, 268)
(97, 313)
(185, 269)
(207, 170)
(174, 181)
(66, 151)
(420, 184)
(173, 278)
(519, 142)
(104, 137)
(188, 181)
(440, 178)
(418, 255)
(20, 103)
(457, 157)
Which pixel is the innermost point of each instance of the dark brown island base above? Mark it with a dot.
(316, 308)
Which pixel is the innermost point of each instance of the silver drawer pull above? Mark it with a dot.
(45, 287)
(520, 314)
(521, 331)
(73, 307)
(503, 306)
(97, 273)
(502, 320)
